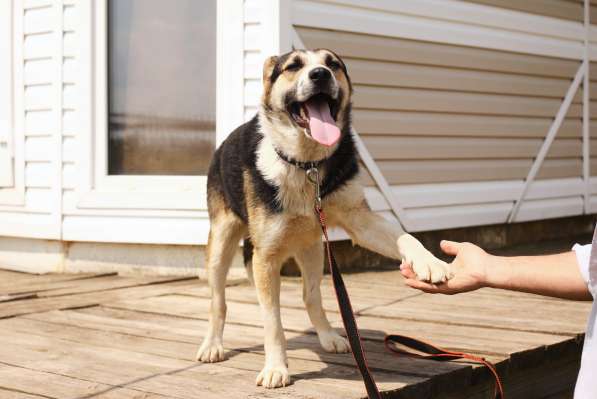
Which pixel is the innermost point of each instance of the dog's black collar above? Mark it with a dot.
(299, 164)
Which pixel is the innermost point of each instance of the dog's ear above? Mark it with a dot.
(270, 69)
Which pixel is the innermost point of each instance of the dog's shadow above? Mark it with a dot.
(314, 363)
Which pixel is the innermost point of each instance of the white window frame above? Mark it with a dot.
(97, 189)
(12, 184)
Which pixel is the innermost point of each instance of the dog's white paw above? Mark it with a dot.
(210, 351)
(425, 265)
(273, 377)
(333, 342)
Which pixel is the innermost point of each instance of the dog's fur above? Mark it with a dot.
(254, 194)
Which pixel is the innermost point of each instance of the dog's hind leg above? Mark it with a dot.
(224, 236)
(310, 261)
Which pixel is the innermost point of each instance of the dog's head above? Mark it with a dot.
(308, 90)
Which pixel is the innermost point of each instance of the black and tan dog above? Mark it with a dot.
(258, 189)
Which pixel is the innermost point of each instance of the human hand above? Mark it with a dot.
(469, 270)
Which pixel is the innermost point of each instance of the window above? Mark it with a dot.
(161, 86)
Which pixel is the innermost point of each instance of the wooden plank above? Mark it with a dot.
(12, 394)
(99, 283)
(179, 378)
(372, 327)
(51, 385)
(182, 343)
(11, 309)
(427, 53)
(379, 122)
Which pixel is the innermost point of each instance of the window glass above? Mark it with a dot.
(161, 86)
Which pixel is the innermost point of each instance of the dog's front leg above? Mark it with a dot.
(375, 233)
(310, 261)
(266, 272)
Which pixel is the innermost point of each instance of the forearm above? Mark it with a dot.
(551, 275)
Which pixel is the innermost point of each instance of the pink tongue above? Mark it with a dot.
(322, 125)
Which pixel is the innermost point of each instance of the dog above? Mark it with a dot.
(258, 190)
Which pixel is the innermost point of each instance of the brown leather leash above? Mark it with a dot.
(391, 342)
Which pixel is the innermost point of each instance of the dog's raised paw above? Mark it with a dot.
(431, 269)
(273, 377)
(210, 352)
(333, 342)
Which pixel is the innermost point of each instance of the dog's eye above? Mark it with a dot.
(295, 66)
(333, 64)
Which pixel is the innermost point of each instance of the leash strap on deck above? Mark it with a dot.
(431, 352)
(350, 324)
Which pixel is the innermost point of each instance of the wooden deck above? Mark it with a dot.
(106, 336)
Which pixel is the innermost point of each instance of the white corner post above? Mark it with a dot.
(551, 135)
(229, 67)
(366, 158)
(586, 117)
(277, 28)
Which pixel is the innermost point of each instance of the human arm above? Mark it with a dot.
(552, 275)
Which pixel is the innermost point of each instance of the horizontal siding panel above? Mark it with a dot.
(432, 77)
(69, 96)
(39, 200)
(435, 171)
(467, 193)
(70, 176)
(39, 149)
(38, 175)
(38, 71)
(426, 53)
(39, 97)
(39, 123)
(38, 20)
(549, 208)
(253, 90)
(70, 44)
(253, 11)
(69, 123)
(38, 46)
(563, 9)
(69, 18)
(442, 124)
(70, 151)
(419, 148)
(69, 70)
(457, 216)
(253, 65)
(29, 225)
(440, 101)
(252, 37)
(139, 230)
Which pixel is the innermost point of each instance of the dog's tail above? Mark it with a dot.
(248, 259)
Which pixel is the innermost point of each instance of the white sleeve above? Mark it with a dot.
(583, 254)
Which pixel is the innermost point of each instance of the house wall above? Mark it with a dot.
(453, 103)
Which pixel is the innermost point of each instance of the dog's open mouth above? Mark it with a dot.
(317, 116)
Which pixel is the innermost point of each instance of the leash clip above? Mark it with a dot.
(313, 177)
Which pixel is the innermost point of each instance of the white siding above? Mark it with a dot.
(254, 57)
(35, 94)
(453, 115)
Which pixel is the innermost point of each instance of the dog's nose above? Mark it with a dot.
(319, 75)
